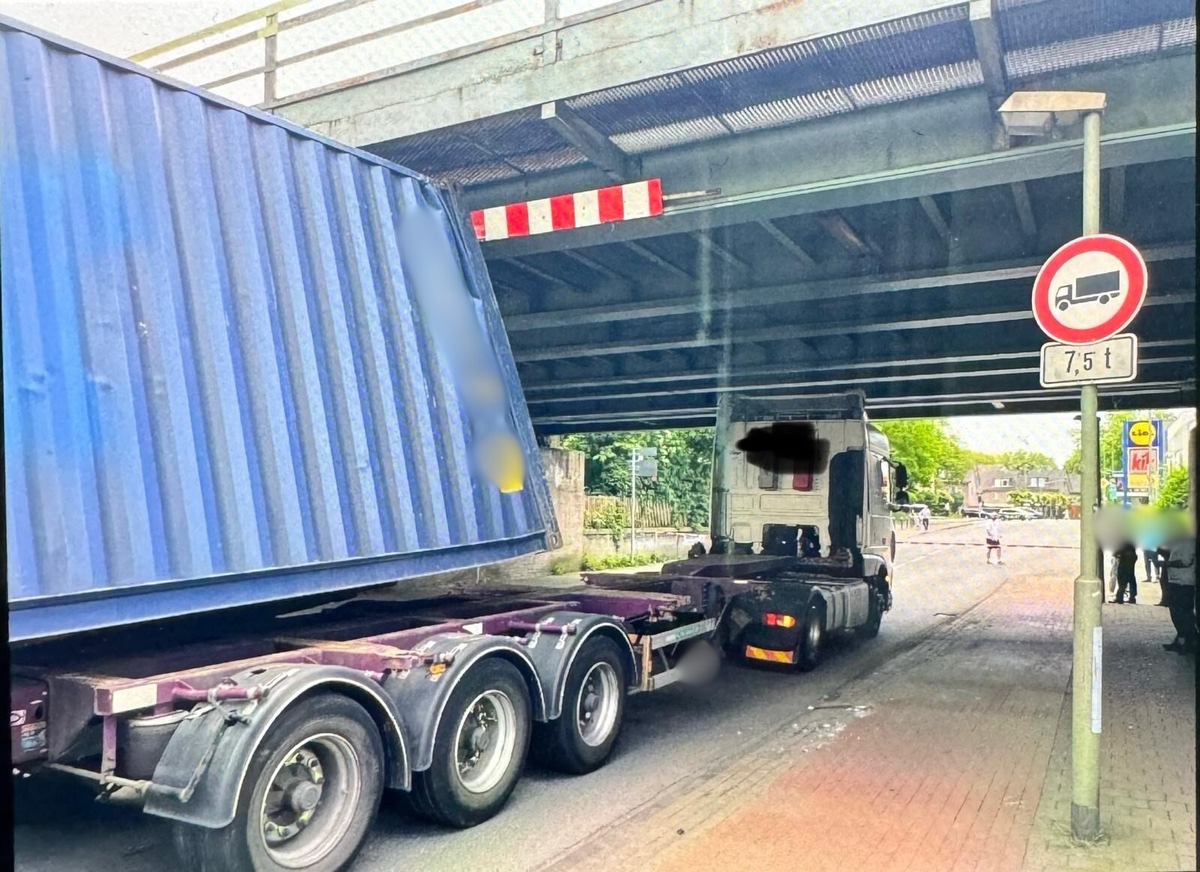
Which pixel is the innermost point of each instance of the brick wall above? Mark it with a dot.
(564, 475)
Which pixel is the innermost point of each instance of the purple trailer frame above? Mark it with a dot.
(131, 686)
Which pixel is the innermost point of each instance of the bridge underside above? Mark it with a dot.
(866, 224)
(928, 316)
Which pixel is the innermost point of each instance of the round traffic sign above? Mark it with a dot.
(1089, 290)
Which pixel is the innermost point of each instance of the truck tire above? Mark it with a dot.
(870, 629)
(581, 739)
(308, 798)
(479, 749)
(811, 647)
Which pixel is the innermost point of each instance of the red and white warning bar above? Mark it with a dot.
(569, 211)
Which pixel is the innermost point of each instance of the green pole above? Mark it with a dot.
(722, 437)
(1089, 592)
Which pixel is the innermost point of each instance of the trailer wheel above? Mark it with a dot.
(479, 749)
(812, 641)
(870, 629)
(582, 737)
(308, 798)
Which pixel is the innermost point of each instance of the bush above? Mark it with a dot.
(1174, 493)
(1020, 498)
(592, 563)
(613, 517)
(566, 564)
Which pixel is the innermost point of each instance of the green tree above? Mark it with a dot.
(1021, 498)
(928, 450)
(1026, 461)
(684, 468)
(1174, 492)
(1112, 427)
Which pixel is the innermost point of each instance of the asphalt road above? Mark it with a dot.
(667, 736)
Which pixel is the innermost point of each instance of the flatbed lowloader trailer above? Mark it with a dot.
(269, 744)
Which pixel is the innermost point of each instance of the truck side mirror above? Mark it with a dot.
(901, 476)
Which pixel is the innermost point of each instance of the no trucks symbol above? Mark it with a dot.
(1089, 290)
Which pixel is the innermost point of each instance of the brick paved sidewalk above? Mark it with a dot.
(1148, 786)
(954, 755)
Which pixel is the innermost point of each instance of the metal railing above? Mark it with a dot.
(267, 24)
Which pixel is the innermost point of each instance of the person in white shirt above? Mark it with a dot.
(924, 516)
(992, 535)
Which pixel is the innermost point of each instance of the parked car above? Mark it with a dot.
(974, 512)
(1017, 513)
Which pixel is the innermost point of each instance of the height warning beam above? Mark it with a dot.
(570, 211)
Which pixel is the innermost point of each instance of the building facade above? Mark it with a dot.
(991, 485)
(1178, 430)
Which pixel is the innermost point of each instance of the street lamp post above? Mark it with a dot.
(1037, 114)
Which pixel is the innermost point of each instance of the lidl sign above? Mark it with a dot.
(1143, 449)
(1142, 433)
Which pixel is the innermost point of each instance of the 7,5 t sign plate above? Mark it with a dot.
(1113, 360)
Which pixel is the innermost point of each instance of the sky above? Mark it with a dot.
(1051, 434)
(123, 27)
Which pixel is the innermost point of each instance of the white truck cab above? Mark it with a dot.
(833, 503)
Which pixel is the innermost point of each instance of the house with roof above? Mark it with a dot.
(991, 484)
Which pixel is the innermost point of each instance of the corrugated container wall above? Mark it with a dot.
(238, 358)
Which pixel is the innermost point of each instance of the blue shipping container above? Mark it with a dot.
(242, 363)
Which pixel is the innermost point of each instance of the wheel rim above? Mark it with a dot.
(597, 705)
(487, 737)
(307, 808)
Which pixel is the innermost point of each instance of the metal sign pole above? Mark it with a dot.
(1089, 592)
(633, 460)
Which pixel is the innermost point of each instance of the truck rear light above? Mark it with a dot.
(775, 620)
(802, 481)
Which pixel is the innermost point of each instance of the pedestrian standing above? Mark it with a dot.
(1149, 562)
(991, 534)
(1160, 560)
(1126, 557)
(924, 516)
(1181, 594)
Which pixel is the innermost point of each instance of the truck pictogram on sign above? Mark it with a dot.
(1089, 289)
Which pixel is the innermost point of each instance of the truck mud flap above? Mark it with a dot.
(199, 778)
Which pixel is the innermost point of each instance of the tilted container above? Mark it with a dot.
(242, 363)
